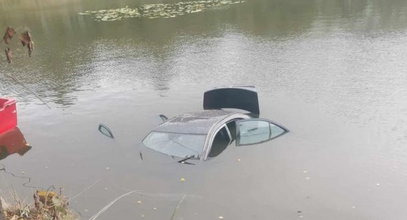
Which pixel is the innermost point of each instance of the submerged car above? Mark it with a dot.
(230, 115)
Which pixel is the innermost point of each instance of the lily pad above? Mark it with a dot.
(153, 11)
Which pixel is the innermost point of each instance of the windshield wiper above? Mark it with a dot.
(184, 161)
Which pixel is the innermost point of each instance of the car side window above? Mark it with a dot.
(255, 131)
(220, 142)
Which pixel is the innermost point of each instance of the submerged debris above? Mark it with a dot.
(158, 10)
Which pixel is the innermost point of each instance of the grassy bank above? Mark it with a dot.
(46, 205)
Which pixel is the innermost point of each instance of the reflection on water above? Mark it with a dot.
(12, 142)
(80, 47)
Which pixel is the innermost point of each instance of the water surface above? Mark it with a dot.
(333, 72)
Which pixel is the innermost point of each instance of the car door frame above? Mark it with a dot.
(216, 128)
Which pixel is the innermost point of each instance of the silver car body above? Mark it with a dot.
(192, 135)
(206, 122)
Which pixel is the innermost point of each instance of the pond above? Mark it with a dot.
(332, 72)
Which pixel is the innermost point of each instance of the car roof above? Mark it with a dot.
(197, 122)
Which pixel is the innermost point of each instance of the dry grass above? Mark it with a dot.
(47, 206)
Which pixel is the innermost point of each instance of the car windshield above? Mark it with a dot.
(176, 144)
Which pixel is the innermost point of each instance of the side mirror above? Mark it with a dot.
(105, 131)
(163, 118)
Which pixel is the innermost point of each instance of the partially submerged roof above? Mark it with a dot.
(194, 123)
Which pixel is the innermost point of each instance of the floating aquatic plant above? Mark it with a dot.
(158, 10)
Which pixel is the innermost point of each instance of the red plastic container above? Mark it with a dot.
(8, 114)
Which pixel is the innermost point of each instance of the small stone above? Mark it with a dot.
(353, 207)
(305, 171)
(377, 184)
(182, 179)
(107, 168)
(139, 202)
(307, 178)
(220, 217)
(154, 208)
(238, 159)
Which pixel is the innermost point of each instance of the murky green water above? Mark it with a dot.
(333, 72)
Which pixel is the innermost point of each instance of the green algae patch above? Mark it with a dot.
(153, 11)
